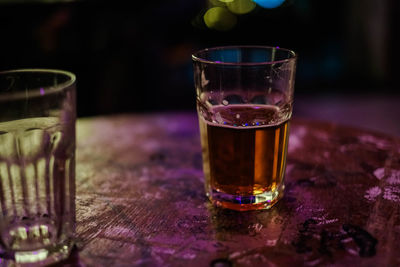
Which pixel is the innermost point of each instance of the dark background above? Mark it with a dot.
(135, 56)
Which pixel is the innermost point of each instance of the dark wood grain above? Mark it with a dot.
(140, 199)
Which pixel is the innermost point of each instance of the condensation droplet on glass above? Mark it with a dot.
(225, 102)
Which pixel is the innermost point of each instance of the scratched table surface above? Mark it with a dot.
(140, 199)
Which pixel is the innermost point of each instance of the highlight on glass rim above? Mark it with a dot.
(222, 15)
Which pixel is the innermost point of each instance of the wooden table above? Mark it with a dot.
(140, 199)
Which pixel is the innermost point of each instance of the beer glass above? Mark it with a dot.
(37, 166)
(244, 103)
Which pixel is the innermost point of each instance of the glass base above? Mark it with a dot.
(261, 201)
(38, 257)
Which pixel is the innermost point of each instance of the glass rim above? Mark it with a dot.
(197, 58)
(38, 92)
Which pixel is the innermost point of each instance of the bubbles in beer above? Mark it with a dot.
(245, 115)
(237, 110)
(234, 99)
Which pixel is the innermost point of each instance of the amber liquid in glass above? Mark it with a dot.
(244, 156)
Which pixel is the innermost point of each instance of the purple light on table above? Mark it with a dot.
(41, 91)
(181, 126)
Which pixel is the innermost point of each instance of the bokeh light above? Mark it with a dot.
(241, 6)
(214, 3)
(220, 19)
(269, 3)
